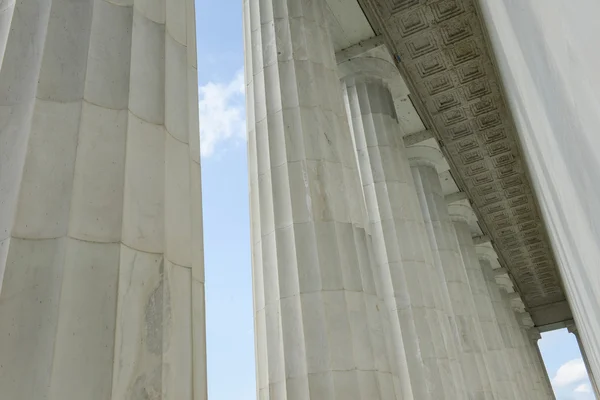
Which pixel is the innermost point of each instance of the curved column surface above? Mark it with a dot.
(424, 162)
(536, 378)
(513, 340)
(100, 206)
(400, 240)
(504, 373)
(7, 8)
(572, 327)
(465, 286)
(533, 335)
(316, 315)
(548, 67)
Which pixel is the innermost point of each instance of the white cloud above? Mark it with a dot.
(570, 372)
(221, 113)
(583, 388)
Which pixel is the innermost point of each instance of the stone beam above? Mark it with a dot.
(551, 314)
(417, 137)
(358, 49)
(481, 239)
(458, 196)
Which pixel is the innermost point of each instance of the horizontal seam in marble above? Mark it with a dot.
(173, 136)
(145, 120)
(174, 38)
(101, 106)
(118, 5)
(18, 103)
(61, 237)
(79, 99)
(91, 241)
(37, 239)
(8, 6)
(141, 251)
(179, 265)
(143, 15)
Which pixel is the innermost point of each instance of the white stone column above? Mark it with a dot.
(400, 238)
(572, 327)
(467, 285)
(7, 7)
(532, 364)
(513, 338)
(505, 374)
(534, 336)
(425, 162)
(550, 94)
(315, 321)
(100, 209)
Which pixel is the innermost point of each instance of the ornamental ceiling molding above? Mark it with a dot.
(442, 52)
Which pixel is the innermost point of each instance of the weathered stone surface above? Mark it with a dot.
(101, 275)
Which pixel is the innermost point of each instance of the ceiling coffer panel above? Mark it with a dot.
(443, 54)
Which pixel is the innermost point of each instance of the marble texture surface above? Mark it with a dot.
(552, 91)
(318, 320)
(469, 324)
(100, 210)
(425, 162)
(390, 201)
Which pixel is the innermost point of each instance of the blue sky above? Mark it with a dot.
(230, 338)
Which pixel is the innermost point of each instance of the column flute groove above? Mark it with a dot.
(315, 314)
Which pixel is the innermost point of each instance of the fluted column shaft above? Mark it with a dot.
(505, 372)
(316, 324)
(100, 208)
(572, 327)
(400, 240)
(534, 336)
(532, 364)
(446, 258)
(468, 321)
(513, 339)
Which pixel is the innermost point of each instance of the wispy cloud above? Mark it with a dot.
(222, 118)
(570, 372)
(583, 388)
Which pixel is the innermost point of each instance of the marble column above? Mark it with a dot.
(400, 239)
(100, 211)
(572, 327)
(425, 164)
(533, 365)
(7, 8)
(534, 336)
(315, 322)
(467, 286)
(527, 381)
(506, 374)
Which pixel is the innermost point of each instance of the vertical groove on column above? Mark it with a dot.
(478, 371)
(7, 7)
(536, 378)
(199, 372)
(400, 241)
(102, 177)
(508, 374)
(511, 341)
(485, 315)
(40, 112)
(535, 336)
(22, 52)
(439, 229)
(312, 329)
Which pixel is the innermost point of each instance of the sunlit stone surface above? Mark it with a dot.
(351, 224)
(102, 293)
